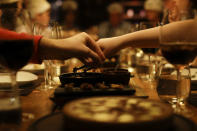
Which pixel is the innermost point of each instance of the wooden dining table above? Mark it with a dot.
(39, 102)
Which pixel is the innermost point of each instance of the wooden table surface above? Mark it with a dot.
(39, 103)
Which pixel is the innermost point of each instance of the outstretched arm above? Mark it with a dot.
(148, 38)
(80, 46)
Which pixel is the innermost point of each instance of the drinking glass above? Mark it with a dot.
(52, 67)
(56, 33)
(179, 49)
(172, 90)
(127, 59)
(147, 67)
(151, 52)
(14, 54)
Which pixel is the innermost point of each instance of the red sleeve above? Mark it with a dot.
(6, 34)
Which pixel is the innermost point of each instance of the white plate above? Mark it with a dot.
(22, 78)
(33, 67)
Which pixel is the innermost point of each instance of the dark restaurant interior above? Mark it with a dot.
(91, 11)
(69, 65)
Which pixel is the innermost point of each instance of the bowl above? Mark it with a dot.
(79, 78)
(107, 76)
(117, 76)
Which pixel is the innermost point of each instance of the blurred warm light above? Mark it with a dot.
(142, 13)
(131, 70)
(58, 3)
(139, 54)
(130, 13)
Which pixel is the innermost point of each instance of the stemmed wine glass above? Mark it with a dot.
(180, 49)
(14, 54)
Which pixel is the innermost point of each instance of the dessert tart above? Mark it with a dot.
(117, 114)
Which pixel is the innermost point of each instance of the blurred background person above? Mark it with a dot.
(154, 9)
(168, 4)
(183, 5)
(93, 32)
(14, 16)
(180, 10)
(39, 11)
(24, 23)
(68, 16)
(175, 10)
(8, 13)
(116, 25)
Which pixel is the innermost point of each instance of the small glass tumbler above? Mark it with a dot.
(147, 70)
(176, 92)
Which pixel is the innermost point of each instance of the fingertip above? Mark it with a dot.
(89, 60)
(97, 49)
(103, 56)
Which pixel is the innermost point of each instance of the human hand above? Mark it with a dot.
(81, 46)
(109, 46)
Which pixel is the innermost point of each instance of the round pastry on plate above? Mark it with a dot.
(117, 113)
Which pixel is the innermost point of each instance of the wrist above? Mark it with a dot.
(54, 49)
(122, 42)
(45, 48)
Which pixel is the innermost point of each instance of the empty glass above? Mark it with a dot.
(52, 67)
(147, 66)
(55, 65)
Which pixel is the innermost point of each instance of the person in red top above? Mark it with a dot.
(80, 46)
